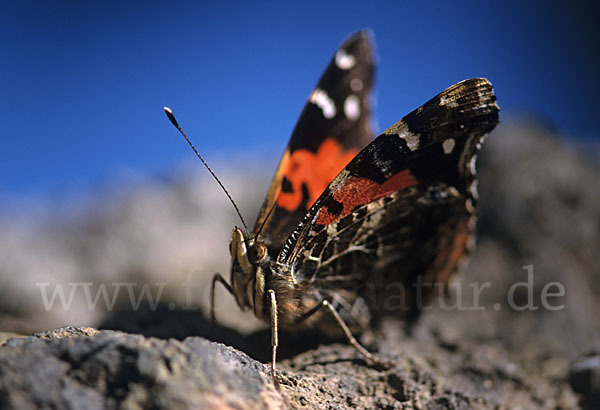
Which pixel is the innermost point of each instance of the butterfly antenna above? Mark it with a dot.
(264, 222)
(176, 124)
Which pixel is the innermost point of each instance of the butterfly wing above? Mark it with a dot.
(333, 127)
(403, 208)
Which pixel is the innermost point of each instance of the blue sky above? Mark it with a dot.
(82, 84)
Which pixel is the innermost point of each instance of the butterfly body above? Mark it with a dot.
(254, 272)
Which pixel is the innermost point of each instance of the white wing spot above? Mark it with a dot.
(322, 100)
(356, 84)
(472, 164)
(469, 206)
(448, 100)
(401, 130)
(453, 191)
(472, 223)
(344, 60)
(411, 139)
(473, 189)
(448, 145)
(352, 107)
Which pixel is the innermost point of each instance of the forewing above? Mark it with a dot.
(333, 127)
(405, 205)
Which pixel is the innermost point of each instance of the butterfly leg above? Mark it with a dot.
(216, 278)
(325, 303)
(369, 356)
(351, 309)
(274, 333)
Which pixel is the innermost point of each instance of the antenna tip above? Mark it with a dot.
(171, 117)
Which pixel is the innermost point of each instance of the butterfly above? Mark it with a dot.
(350, 222)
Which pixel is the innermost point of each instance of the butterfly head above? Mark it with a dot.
(248, 257)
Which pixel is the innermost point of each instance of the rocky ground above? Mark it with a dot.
(540, 206)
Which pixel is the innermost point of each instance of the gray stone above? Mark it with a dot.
(585, 378)
(85, 368)
(89, 369)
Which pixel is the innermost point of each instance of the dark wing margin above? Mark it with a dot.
(434, 146)
(333, 127)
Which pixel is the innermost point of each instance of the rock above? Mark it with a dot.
(4, 336)
(86, 368)
(585, 378)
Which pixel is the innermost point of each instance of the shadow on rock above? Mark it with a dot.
(165, 322)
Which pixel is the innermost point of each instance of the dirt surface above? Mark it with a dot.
(86, 368)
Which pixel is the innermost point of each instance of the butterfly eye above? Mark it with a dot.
(257, 253)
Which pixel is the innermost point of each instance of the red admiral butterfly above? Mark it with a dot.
(347, 216)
